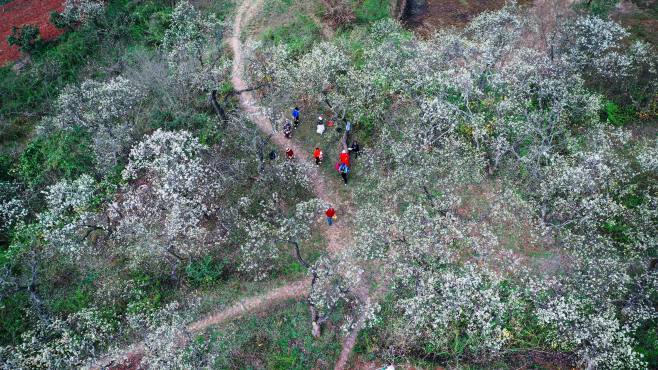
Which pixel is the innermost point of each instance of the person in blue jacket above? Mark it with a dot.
(295, 116)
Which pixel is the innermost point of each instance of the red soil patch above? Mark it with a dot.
(21, 12)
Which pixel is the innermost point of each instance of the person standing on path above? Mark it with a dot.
(317, 154)
(290, 154)
(354, 149)
(320, 129)
(331, 213)
(344, 172)
(345, 157)
(287, 129)
(295, 116)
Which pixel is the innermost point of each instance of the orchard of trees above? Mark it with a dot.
(504, 209)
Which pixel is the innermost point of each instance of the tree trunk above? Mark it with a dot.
(218, 108)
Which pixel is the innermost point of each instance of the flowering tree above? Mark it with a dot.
(69, 218)
(193, 48)
(601, 341)
(105, 109)
(12, 208)
(78, 12)
(273, 229)
(599, 49)
(61, 343)
(170, 194)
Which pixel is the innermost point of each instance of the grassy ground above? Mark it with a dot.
(432, 14)
(276, 339)
(640, 17)
(293, 23)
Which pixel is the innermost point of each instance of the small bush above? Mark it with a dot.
(73, 302)
(158, 23)
(204, 272)
(616, 115)
(27, 37)
(647, 339)
(600, 7)
(13, 320)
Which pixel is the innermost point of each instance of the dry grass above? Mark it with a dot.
(425, 16)
(522, 242)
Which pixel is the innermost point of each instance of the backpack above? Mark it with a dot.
(344, 169)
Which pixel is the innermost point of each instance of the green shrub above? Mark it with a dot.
(146, 296)
(6, 162)
(60, 21)
(73, 302)
(26, 37)
(647, 338)
(13, 321)
(63, 154)
(616, 115)
(276, 7)
(204, 272)
(158, 23)
(600, 7)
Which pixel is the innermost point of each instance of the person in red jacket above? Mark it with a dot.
(330, 215)
(317, 154)
(289, 153)
(345, 158)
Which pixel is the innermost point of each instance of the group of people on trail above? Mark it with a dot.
(343, 166)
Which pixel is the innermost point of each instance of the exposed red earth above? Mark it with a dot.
(17, 13)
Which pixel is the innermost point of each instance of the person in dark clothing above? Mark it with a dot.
(344, 171)
(287, 129)
(272, 155)
(354, 149)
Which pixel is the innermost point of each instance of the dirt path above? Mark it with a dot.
(334, 235)
(253, 304)
(131, 357)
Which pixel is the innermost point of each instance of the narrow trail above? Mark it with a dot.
(334, 235)
(131, 357)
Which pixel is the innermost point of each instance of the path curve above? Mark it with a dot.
(295, 290)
